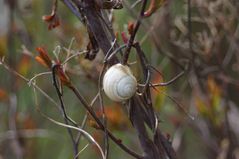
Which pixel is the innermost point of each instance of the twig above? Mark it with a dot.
(85, 118)
(132, 37)
(112, 55)
(66, 119)
(170, 81)
(74, 55)
(81, 150)
(38, 75)
(74, 9)
(27, 81)
(180, 106)
(106, 141)
(135, 4)
(101, 126)
(86, 134)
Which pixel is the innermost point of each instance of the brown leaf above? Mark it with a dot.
(52, 20)
(43, 57)
(130, 27)
(153, 6)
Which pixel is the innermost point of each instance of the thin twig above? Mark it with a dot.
(81, 150)
(66, 119)
(132, 37)
(38, 75)
(27, 81)
(86, 134)
(101, 126)
(74, 55)
(83, 124)
(106, 141)
(170, 81)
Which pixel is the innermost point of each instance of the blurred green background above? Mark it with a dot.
(210, 94)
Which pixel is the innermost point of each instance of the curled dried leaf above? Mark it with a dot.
(40, 61)
(130, 27)
(52, 20)
(43, 57)
(153, 6)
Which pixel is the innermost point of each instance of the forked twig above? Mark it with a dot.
(132, 37)
(86, 134)
(101, 125)
(66, 119)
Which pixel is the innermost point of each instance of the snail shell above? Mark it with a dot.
(119, 83)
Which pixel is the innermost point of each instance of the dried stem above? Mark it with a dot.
(66, 119)
(101, 125)
(132, 37)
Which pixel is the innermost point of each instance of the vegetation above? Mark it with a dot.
(183, 54)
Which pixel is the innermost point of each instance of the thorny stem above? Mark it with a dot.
(132, 37)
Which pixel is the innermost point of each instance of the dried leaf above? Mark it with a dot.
(153, 6)
(52, 19)
(130, 27)
(41, 61)
(43, 58)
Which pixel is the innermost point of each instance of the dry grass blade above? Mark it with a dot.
(84, 133)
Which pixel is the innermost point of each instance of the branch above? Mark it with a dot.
(101, 125)
(132, 37)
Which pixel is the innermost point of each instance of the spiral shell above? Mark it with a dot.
(119, 83)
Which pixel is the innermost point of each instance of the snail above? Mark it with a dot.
(119, 83)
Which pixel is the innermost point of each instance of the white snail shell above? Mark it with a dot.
(119, 83)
